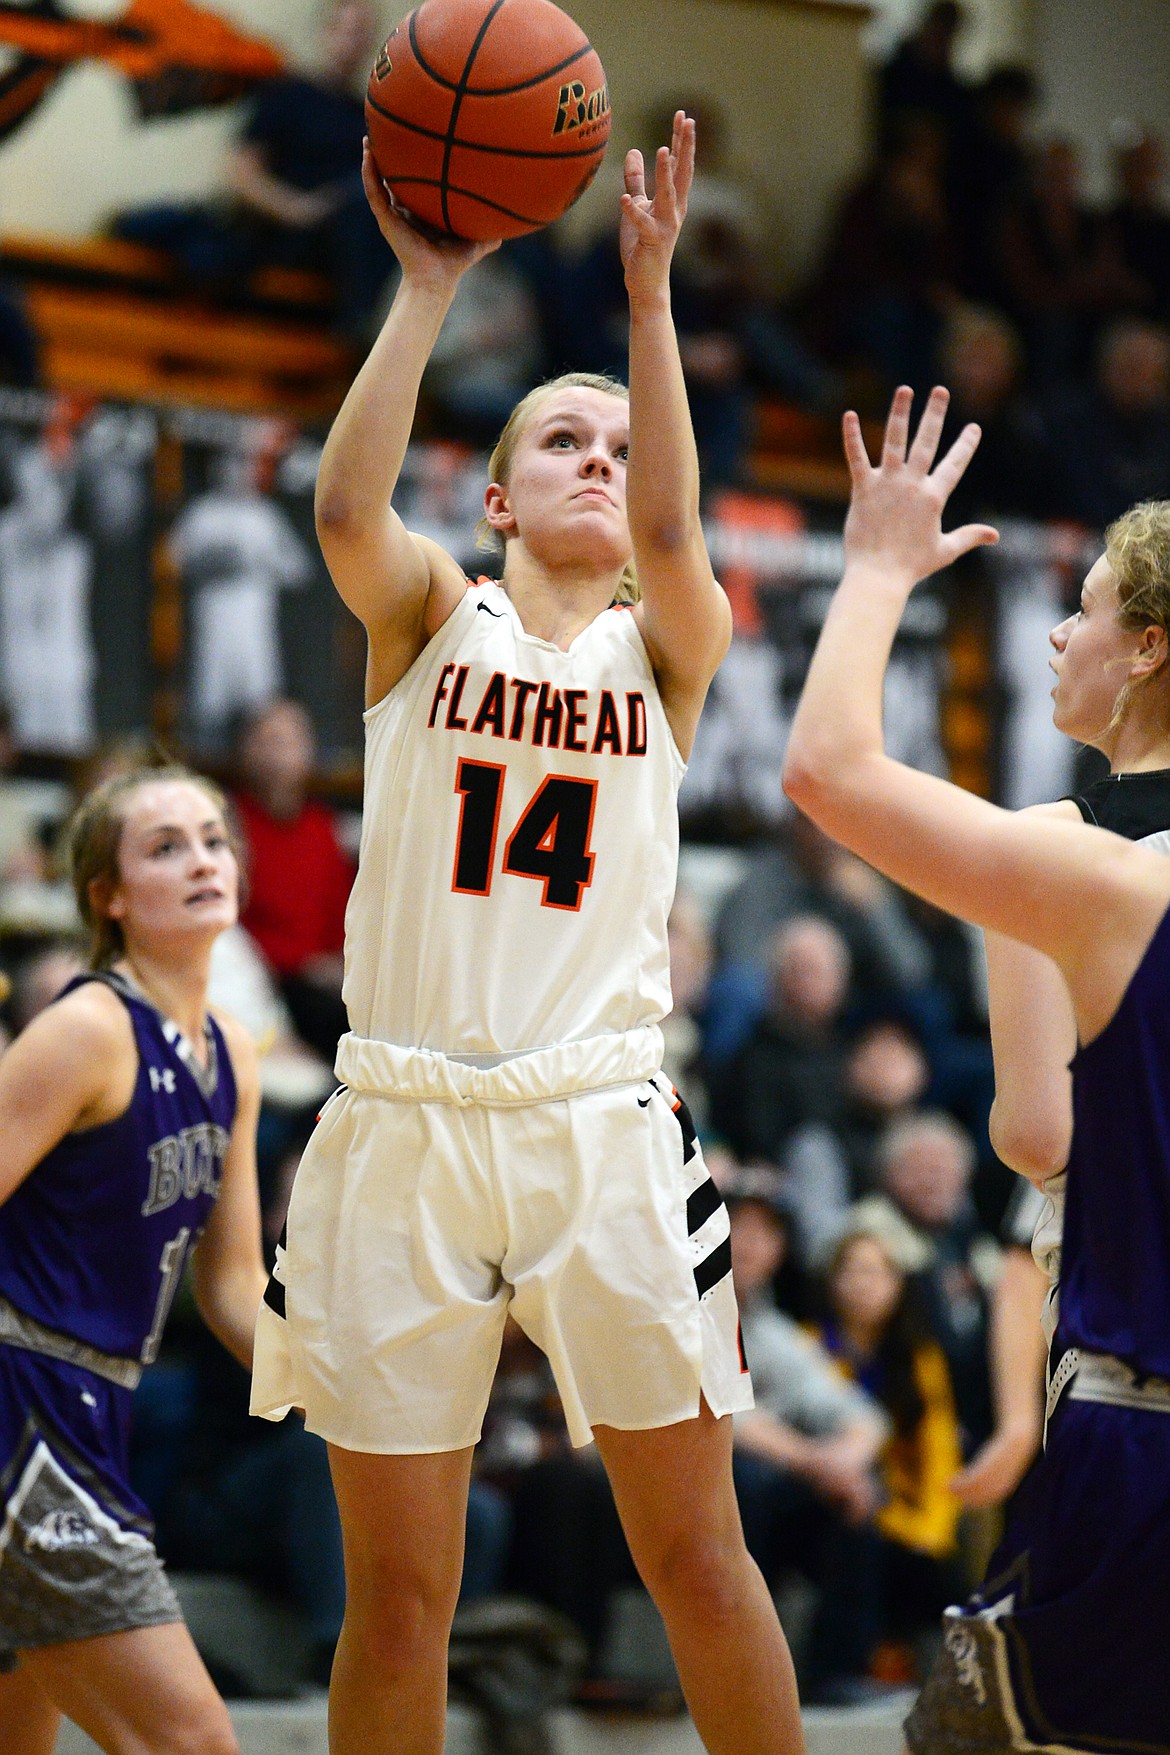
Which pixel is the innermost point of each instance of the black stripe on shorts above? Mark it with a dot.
(716, 1267)
(702, 1205)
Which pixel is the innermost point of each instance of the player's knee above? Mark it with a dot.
(703, 1573)
(401, 1620)
(206, 1732)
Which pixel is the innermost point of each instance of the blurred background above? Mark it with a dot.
(899, 192)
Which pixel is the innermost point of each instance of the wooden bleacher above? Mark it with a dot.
(114, 320)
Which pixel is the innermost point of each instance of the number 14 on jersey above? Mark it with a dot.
(549, 843)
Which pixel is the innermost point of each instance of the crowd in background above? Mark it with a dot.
(830, 1032)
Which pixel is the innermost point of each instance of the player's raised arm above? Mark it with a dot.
(400, 586)
(685, 617)
(987, 865)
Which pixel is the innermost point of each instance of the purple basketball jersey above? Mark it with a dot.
(94, 1241)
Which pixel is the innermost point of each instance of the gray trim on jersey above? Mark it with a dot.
(68, 1569)
(20, 1330)
(206, 1077)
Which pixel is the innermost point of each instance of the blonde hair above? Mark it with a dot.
(1137, 548)
(94, 837)
(504, 456)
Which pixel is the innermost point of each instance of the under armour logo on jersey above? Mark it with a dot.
(61, 1529)
(162, 1079)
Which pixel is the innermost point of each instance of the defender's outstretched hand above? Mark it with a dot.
(650, 224)
(895, 515)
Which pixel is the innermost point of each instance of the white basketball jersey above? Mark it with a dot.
(519, 840)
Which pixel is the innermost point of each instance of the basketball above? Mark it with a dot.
(487, 118)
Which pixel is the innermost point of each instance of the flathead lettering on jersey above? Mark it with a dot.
(515, 710)
(185, 1164)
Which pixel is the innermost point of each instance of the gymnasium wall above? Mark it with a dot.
(1101, 64)
(792, 75)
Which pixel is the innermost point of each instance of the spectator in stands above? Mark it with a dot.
(926, 1161)
(296, 172)
(1059, 273)
(805, 1456)
(919, 78)
(734, 340)
(880, 1338)
(799, 870)
(1111, 438)
(1139, 222)
(827, 1168)
(489, 353)
(990, 160)
(40, 975)
(981, 363)
(789, 1071)
(889, 273)
(567, 1550)
(299, 873)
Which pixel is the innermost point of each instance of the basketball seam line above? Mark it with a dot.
(470, 195)
(476, 146)
(457, 100)
(491, 91)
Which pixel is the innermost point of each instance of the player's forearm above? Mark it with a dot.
(662, 485)
(837, 734)
(363, 454)
(229, 1302)
(1017, 1344)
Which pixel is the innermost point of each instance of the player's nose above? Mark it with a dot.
(597, 461)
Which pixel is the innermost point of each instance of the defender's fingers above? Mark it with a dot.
(898, 426)
(968, 536)
(856, 454)
(925, 446)
(683, 151)
(640, 214)
(951, 470)
(635, 173)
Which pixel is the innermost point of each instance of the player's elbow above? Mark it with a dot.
(806, 775)
(1032, 1144)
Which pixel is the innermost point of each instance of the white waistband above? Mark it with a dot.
(539, 1075)
(1099, 1377)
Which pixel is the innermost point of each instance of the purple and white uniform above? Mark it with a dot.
(1063, 1646)
(93, 1245)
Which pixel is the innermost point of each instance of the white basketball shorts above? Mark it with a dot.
(565, 1185)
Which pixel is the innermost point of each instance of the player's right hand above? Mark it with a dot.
(419, 253)
(996, 1469)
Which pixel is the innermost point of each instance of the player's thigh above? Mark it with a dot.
(28, 1719)
(403, 1522)
(145, 1688)
(675, 1494)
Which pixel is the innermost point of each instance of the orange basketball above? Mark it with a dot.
(487, 118)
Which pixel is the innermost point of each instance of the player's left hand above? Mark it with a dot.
(894, 524)
(650, 224)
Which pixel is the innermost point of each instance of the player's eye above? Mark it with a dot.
(622, 453)
(562, 439)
